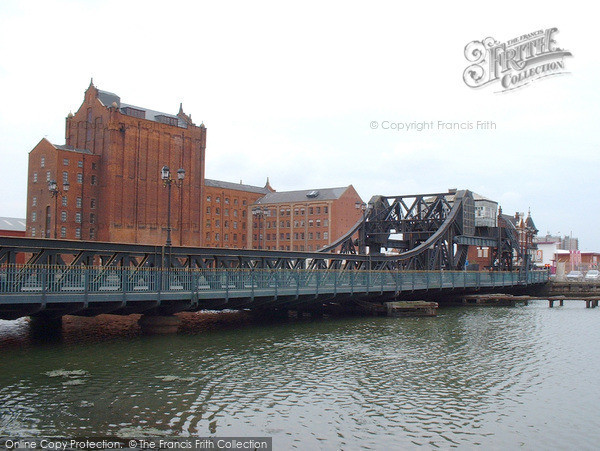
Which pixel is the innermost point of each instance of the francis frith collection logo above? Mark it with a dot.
(514, 63)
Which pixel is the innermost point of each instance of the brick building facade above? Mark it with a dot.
(305, 220)
(226, 212)
(127, 147)
(109, 187)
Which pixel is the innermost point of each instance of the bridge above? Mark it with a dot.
(405, 247)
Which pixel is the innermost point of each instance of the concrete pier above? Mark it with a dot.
(412, 308)
(159, 325)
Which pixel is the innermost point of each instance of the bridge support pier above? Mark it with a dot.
(561, 303)
(550, 303)
(44, 327)
(159, 324)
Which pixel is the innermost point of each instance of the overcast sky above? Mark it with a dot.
(289, 92)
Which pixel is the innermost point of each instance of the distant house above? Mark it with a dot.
(12, 226)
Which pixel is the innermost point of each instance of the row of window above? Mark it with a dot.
(298, 211)
(63, 232)
(225, 224)
(286, 224)
(218, 200)
(63, 217)
(297, 236)
(65, 163)
(225, 212)
(65, 178)
(64, 202)
(225, 237)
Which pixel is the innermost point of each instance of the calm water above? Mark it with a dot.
(498, 377)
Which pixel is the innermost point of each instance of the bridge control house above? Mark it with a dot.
(104, 184)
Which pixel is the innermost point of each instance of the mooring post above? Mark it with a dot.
(550, 303)
(587, 304)
(561, 303)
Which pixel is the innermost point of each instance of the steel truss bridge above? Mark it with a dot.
(428, 236)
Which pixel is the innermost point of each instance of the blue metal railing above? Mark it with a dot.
(234, 282)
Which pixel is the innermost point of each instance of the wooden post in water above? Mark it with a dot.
(587, 304)
(550, 303)
(561, 303)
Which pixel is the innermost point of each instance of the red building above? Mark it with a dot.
(305, 220)
(112, 160)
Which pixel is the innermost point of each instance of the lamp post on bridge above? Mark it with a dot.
(362, 249)
(167, 182)
(54, 193)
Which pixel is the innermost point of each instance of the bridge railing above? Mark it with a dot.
(64, 279)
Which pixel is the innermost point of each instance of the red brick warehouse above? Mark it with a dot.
(112, 160)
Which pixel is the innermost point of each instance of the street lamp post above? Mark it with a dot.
(260, 212)
(363, 233)
(168, 181)
(54, 193)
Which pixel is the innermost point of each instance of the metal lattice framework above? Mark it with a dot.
(410, 232)
(420, 232)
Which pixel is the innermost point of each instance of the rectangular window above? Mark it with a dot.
(65, 176)
(48, 176)
(207, 198)
(227, 212)
(64, 201)
(217, 237)
(235, 213)
(227, 200)
(78, 233)
(318, 223)
(318, 210)
(94, 180)
(235, 224)
(63, 232)
(35, 177)
(92, 203)
(80, 165)
(281, 236)
(217, 223)
(226, 237)
(310, 210)
(79, 177)
(34, 201)
(310, 235)
(207, 210)
(235, 201)
(33, 231)
(94, 166)
(63, 216)
(43, 162)
(92, 218)
(78, 217)
(325, 222)
(208, 224)
(92, 234)
(287, 236)
(207, 236)
(218, 199)
(66, 162)
(318, 235)
(78, 202)
(310, 222)
(325, 209)
(325, 235)
(33, 216)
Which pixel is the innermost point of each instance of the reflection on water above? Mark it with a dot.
(500, 377)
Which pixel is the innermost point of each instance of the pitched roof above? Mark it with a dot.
(307, 195)
(108, 98)
(529, 222)
(16, 224)
(72, 149)
(235, 186)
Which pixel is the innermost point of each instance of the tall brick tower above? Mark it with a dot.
(130, 145)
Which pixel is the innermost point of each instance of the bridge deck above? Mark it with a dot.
(90, 291)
